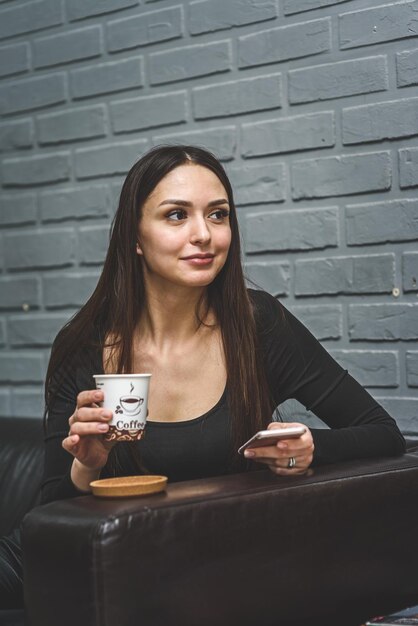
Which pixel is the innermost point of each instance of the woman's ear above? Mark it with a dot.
(138, 248)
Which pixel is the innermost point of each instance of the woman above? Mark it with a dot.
(172, 301)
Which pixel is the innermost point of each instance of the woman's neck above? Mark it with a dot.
(170, 316)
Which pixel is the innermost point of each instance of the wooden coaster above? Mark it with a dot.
(128, 486)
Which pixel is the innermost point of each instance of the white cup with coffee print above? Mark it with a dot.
(126, 395)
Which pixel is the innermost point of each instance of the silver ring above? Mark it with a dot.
(292, 462)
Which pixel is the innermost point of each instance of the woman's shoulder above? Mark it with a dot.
(262, 300)
(275, 323)
(71, 360)
(268, 311)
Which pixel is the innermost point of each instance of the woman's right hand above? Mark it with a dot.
(85, 440)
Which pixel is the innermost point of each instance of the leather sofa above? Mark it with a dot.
(334, 547)
(21, 466)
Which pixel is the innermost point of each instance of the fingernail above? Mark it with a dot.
(107, 415)
(249, 453)
(103, 427)
(98, 395)
(282, 446)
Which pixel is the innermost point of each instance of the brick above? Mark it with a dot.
(404, 410)
(108, 159)
(385, 120)
(148, 111)
(14, 135)
(115, 189)
(33, 249)
(410, 271)
(288, 134)
(28, 402)
(93, 244)
(383, 322)
(18, 209)
(337, 80)
(299, 6)
(239, 96)
(374, 273)
(412, 368)
(30, 17)
(2, 334)
(5, 403)
(408, 167)
(72, 124)
(323, 320)
(255, 184)
(211, 15)
(284, 43)
(341, 175)
(145, 29)
(75, 45)
(276, 231)
(36, 170)
(384, 23)
(2, 262)
(17, 291)
(291, 410)
(221, 141)
(272, 276)
(14, 59)
(21, 368)
(382, 222)
(189, 61)
(35, 330)
(68, 290)
(371, 368)
(107, 77)
(32, 93)
(75, 203)
(407, 68)
(79, 9)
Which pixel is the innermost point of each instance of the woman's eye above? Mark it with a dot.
(220, 214)
(176, 215)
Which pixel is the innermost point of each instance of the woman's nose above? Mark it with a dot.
(200, 232)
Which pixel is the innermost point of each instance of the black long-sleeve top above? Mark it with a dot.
(297, 366)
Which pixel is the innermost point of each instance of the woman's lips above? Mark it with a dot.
(199, 259)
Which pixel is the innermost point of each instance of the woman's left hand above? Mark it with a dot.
(289, 457)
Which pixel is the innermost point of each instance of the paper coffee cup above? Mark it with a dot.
(126, 395)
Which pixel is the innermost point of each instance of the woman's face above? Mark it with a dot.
(184, 232)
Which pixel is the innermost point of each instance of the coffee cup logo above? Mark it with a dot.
(131, 405)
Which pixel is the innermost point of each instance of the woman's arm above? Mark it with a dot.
(299, 367)
(75, 451)
(57, 483)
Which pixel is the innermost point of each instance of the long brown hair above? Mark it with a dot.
(118, 301)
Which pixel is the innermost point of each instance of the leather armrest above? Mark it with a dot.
(243, 549)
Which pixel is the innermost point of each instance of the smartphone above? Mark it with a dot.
(271, 437)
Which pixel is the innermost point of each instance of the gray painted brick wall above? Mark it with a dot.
(312, 105)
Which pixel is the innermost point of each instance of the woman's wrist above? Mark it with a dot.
(82, 476)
